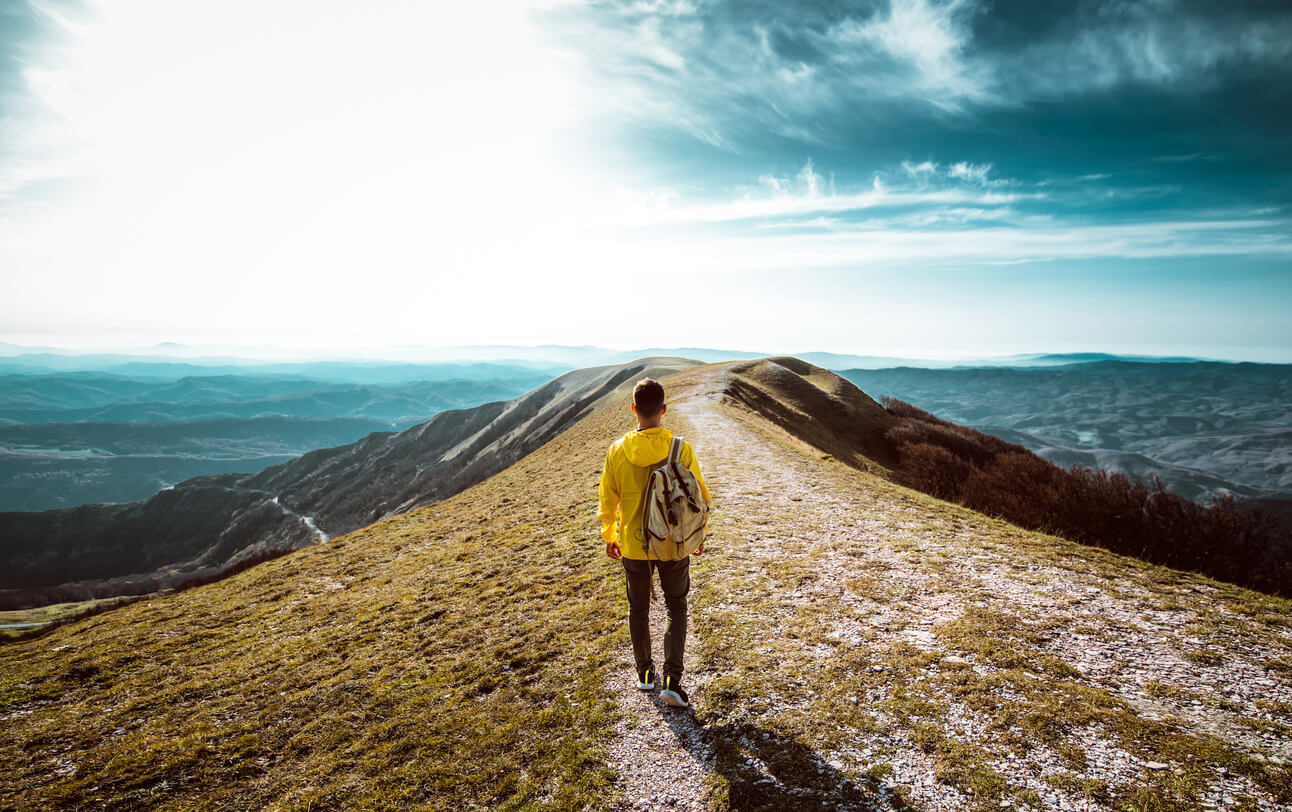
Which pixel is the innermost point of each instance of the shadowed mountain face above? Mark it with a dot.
(217, 520)
(383, 474)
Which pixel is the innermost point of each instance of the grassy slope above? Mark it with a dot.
(776, 664)
(51, 613)
(454, 657)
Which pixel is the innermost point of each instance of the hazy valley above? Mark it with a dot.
(1202, 427)
(81, 436)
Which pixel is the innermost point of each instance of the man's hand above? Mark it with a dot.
(698, 550)
(612, 550)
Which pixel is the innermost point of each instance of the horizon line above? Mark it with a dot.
(320, 352)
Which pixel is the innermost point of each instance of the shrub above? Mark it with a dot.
(932, 469)
(1228, 540)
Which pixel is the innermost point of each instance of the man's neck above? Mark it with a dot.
(652, 425)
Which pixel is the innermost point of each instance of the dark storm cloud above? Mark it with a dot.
(776, 75)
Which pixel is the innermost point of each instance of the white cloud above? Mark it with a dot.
(921, 170)
(809, 193)
(889, 245)
(945, 213)
(651, 45)
(930, 38)
(810, 179)
(976, 173)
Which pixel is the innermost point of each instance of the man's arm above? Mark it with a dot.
(608, 510)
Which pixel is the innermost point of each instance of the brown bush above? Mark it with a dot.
(1228, 540)
(932, 469)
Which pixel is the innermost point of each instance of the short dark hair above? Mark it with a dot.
(648, 397)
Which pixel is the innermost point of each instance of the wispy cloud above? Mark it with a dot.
(36, 149)
(840, 246)
(919, 47)
(971, 172)
(810, 193)
(728, 72)
(948, 213)
(1184, 159)
(1162, 44)
(927, 171)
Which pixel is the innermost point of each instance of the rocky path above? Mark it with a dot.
(836, 573)
(659, 752)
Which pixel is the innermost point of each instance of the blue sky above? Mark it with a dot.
(914, 177)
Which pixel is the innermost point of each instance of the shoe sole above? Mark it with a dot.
(673, 699)
(645, 686)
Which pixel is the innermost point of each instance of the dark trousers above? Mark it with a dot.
(675, 581)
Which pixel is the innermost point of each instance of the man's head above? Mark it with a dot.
(648, 402)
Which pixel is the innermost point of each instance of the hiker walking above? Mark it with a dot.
(654, 509)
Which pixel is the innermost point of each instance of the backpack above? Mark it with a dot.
(676, 513)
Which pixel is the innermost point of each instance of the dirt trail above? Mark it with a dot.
(795, 516)
(661, 754)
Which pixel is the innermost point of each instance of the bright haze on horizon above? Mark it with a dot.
(904, 177)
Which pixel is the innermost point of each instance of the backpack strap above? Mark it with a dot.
(675, 450)
(675, 461)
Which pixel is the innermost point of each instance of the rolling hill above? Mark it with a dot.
(856, 645)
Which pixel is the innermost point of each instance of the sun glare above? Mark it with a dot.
(399, 146)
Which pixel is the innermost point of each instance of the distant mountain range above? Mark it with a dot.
(387, 364)
(1203, 427)
(98, 397)
(156, 369)
(76, 437)
(213, 521)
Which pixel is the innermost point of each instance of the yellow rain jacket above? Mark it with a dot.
(624, 480)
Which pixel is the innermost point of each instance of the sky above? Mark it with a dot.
(926, 178)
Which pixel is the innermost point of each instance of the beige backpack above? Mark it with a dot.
(676, 512)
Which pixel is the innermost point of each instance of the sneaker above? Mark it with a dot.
(673, 693)
(645, 679)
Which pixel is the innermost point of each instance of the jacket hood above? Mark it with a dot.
(647, 447)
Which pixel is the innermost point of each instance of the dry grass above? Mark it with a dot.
(770, 663)
(452, 657)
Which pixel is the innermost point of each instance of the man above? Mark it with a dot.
(624, 482)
